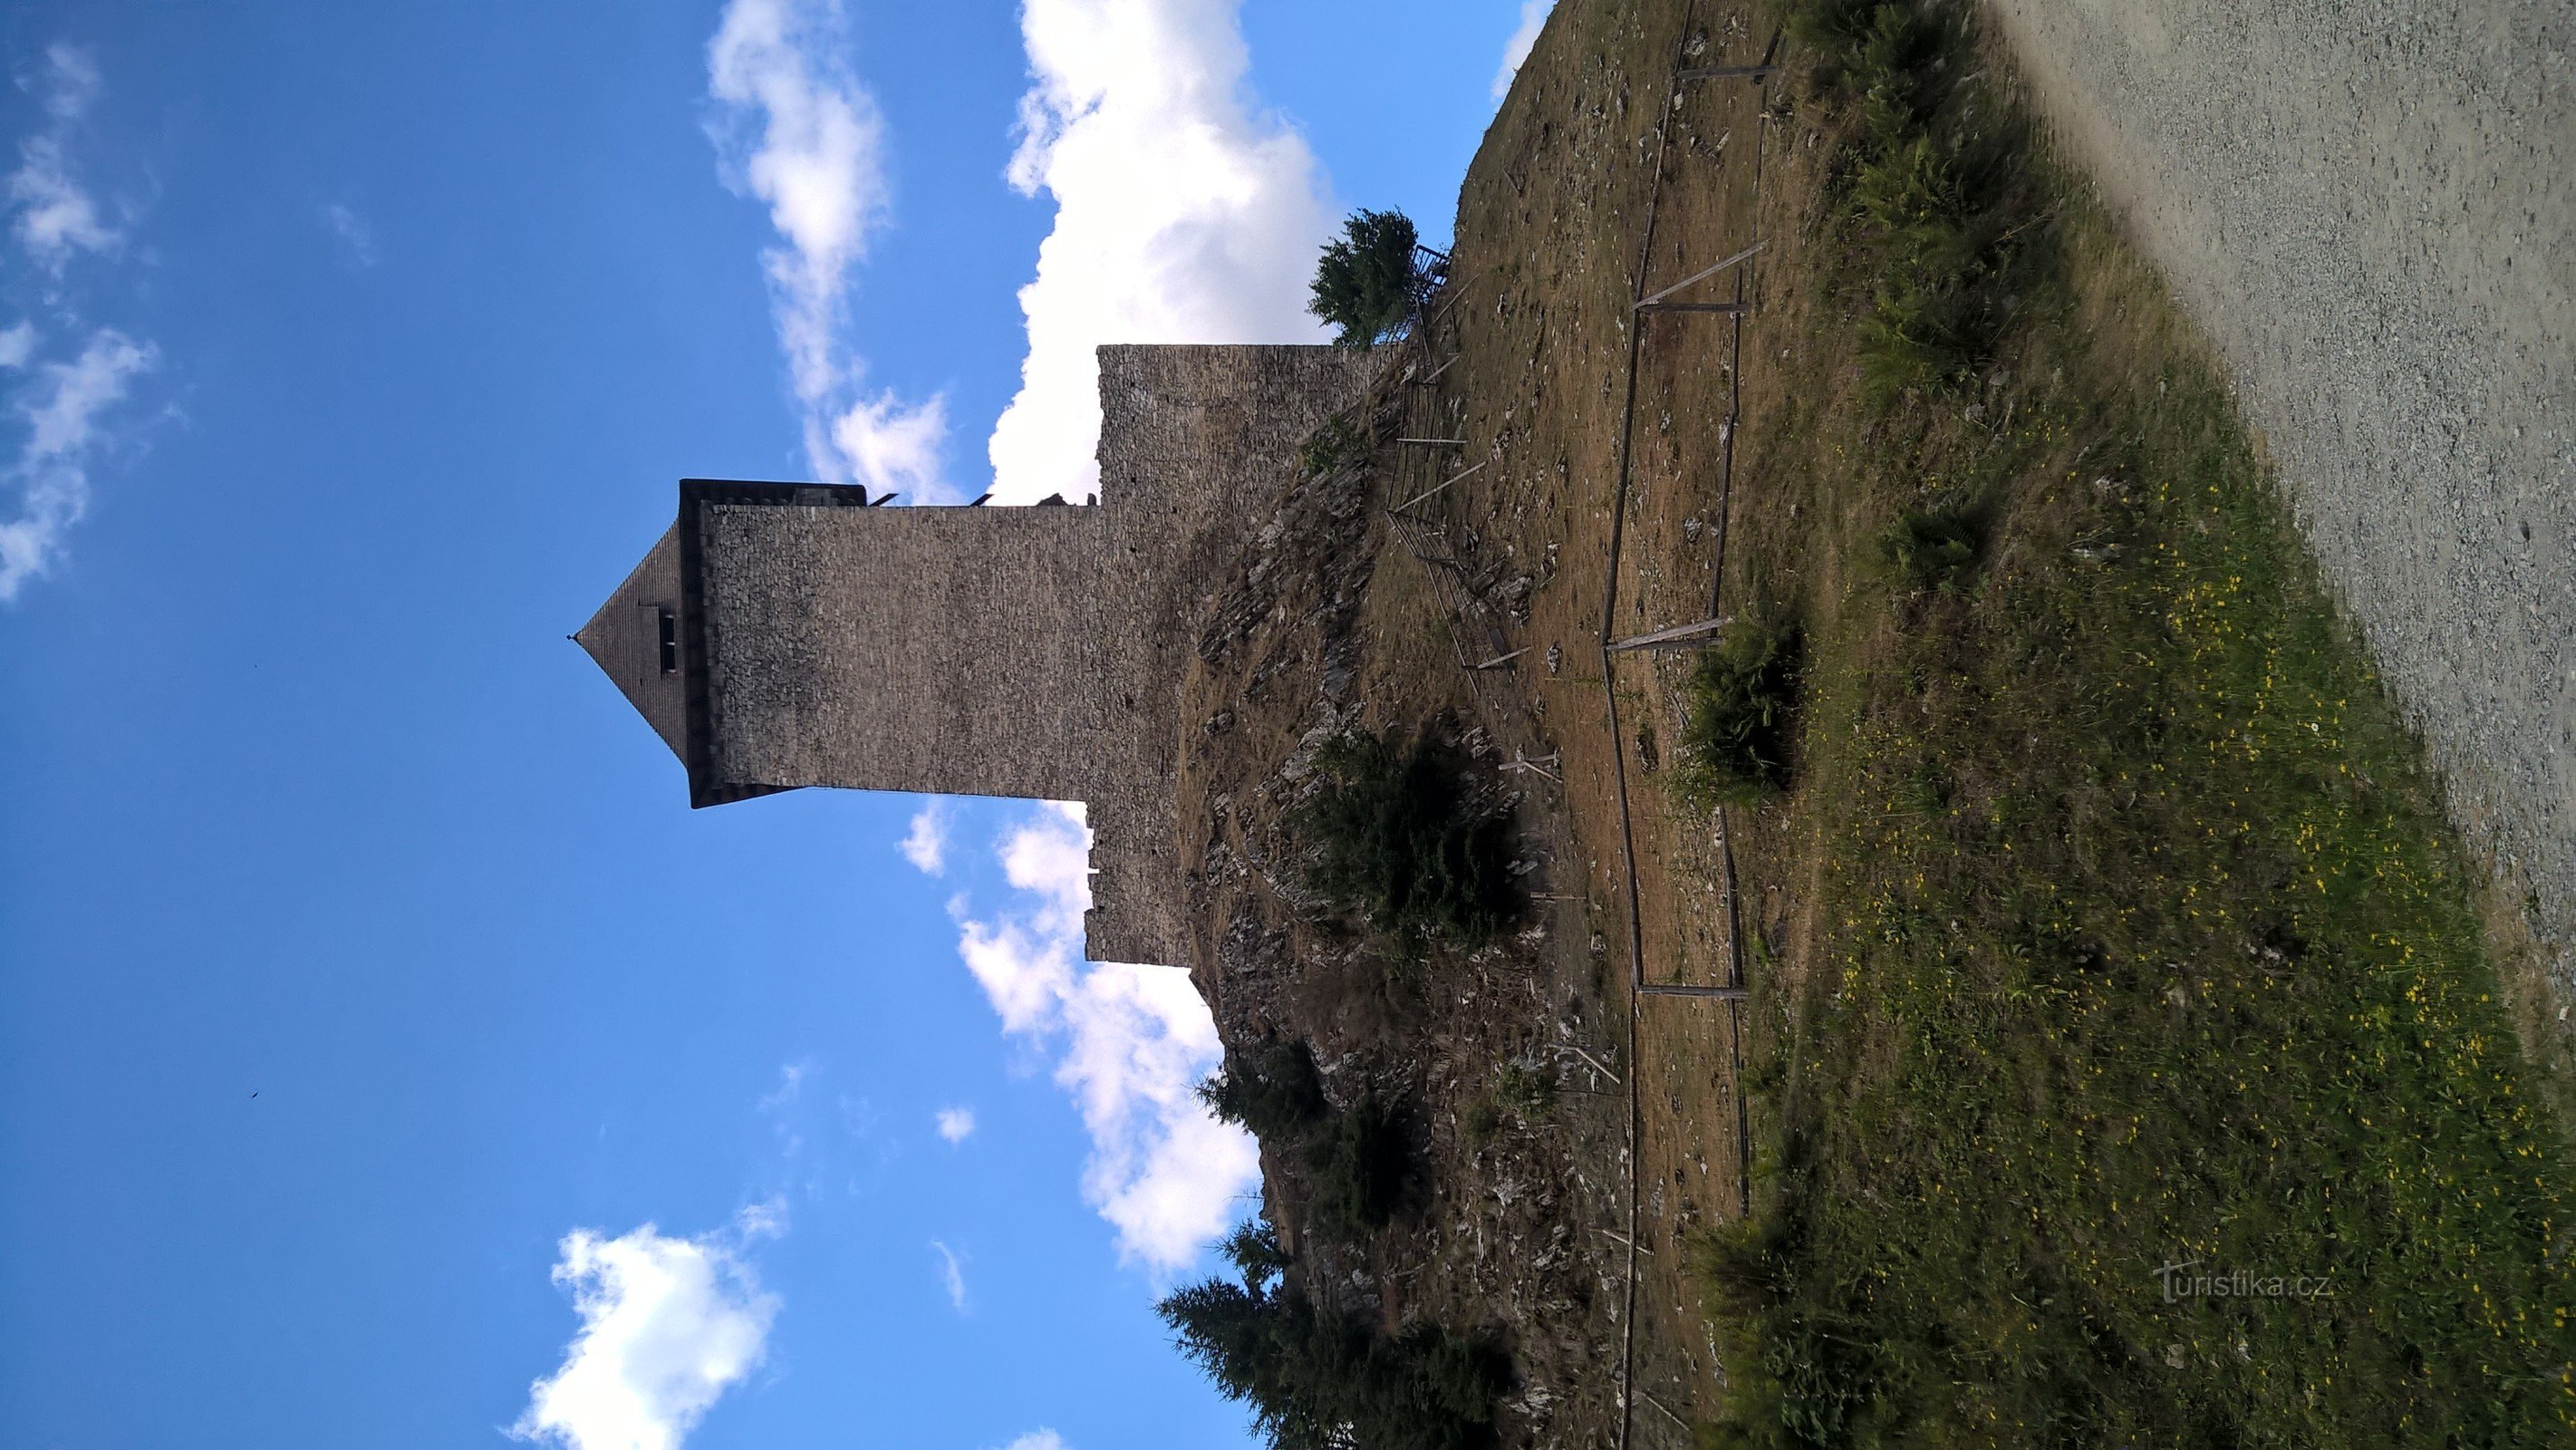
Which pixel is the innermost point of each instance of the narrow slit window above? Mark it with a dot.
(670, 643)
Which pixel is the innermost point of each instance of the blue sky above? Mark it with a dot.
(366, 987)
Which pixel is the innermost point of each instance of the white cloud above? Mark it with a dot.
(795, 129)
(956, 1124)
(667, 1326)
(1136, 1041)
(1182, 214)
(791, 1085)
(56, 216)
(62, 410)
(952, 1275)
(1517, 49)
(62, 404)
(353, 232)
(72, 81)
(926, 845)
(1039, 1439)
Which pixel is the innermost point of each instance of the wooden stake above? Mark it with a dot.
(1734, 309)
(1428, 492)
(1668, 1414)
(1678, 637)
(1676, 989)
(1704, 272)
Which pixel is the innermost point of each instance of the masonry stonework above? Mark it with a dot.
(1033, 652)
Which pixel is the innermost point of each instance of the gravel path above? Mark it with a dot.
(2368, 206)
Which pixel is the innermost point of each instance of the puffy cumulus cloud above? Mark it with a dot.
(795, 130)
(1135, 1042)
(956, 1124)
(1038, 1439)
(61, 406)
(1183, 214)
(667, 1326)
(1515, 50)
(926, 844)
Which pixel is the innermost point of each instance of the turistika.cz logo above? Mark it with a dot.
(2179, 1284)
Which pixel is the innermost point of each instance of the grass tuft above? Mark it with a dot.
(1929, 549)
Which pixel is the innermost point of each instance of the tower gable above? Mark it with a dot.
(634, 639)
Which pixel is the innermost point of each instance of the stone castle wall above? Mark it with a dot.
(1196, 444)
(1035, 652)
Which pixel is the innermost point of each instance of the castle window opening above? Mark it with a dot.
(670, 625)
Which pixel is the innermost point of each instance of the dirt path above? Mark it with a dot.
(2370, 207)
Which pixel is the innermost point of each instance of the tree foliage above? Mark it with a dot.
(1360, 1165)
(1366, 282)
(1397, 841)
(1317, 1380)
(1272, 1092)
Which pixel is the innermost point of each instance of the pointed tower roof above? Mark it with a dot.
(634, 638)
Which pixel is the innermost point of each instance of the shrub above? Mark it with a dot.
(1930, 549)
(1359, 1165)
(1330, 446)
(1735, 732)
(1926, 192)
(1366, 283)
(1528, 1091)
(1397, 843)
(1275, 1094)
(1319, 1381)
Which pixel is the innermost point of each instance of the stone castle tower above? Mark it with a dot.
(786, 634)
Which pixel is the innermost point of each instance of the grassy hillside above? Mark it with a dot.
(2127, 1062)
(2136, 1072)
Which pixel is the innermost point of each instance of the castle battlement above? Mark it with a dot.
(782, 635)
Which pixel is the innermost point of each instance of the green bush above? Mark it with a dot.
(1316, 1380)
(1930, 549)
(1359, 1165)
(1527, 1091)
(1927, 186)
(1396, 842)
(1735, 730)
(1275, 1093)
(1366, 283)
(1330, 446)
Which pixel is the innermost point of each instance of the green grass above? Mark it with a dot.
(2139, 940)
